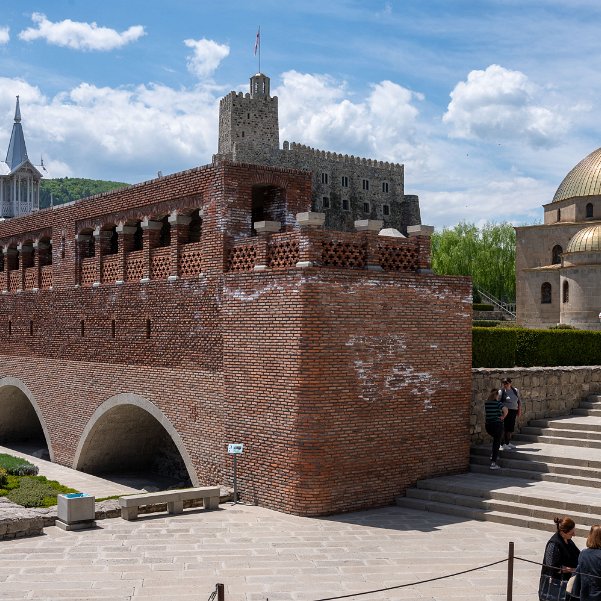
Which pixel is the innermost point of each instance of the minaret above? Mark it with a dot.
(17, 152)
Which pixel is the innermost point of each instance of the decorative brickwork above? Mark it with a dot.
(335, 376)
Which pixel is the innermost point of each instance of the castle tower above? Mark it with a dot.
(17, 152)
(248, 123)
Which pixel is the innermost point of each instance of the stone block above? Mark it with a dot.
(75, 510)
(368, 225)
(420, 230)
(311, 219)
(267, 227)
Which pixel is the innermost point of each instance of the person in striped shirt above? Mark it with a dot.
(494, 413)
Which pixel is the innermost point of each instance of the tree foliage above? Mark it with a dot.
(486, 254)
(67, 189)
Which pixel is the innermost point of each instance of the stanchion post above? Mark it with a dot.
(510, 573)
(220, 592)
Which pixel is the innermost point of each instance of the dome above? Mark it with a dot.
(583, 180)
(586, 240)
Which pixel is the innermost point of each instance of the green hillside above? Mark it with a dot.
(66, 189)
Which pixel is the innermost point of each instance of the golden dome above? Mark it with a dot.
(586, 240)
(583, 180)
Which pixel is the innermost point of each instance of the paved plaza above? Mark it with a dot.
(261, 554)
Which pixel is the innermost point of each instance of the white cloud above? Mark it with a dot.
(79, 36)
(206, 57)
(4, 35)
(316, 110)
(500, 104)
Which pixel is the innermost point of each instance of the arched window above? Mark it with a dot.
(589, 210)
(556, 255)
(566, 292)
(558, 214)
(545, 293)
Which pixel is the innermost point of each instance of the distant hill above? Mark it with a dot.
(66, 189)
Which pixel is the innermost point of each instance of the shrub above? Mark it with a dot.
(3, 477)
(485, 323)
(492, 347)
(17, 466)
(483, 307)
(37, 491)
(510, 347)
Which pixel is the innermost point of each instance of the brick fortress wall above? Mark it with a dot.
(335, 376)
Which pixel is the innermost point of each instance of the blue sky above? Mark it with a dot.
(487, 103)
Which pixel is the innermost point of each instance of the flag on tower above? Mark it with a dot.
(258, 41)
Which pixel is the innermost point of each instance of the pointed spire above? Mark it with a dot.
(17, 151)
(17, 112)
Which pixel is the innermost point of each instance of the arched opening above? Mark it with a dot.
(27, 255)
(87, 245)
(111, 243)
(165, 233)
(556, 255)
(21, 427)
(268, 203)
(138, 237)
(195, 227)
(45, 251)
(566, 292)
(589, 210)
(128, 439)
(545, 293)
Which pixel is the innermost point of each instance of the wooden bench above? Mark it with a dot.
(174, 498)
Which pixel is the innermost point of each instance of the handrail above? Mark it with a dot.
(508, 308)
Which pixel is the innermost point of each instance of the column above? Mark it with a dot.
(150, 240)
(37, 263)
(370, 229)
(125, 245)
(311, 238)
(179, 236)
(423, 236)
(102, 240)
(264, 230)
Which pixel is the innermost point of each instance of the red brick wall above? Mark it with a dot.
(353, 385)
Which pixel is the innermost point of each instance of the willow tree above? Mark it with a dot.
(486, 254)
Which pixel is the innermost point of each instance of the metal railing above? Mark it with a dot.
(507, 308)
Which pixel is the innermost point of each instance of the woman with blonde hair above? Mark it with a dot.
(588, 573)
(559, 562)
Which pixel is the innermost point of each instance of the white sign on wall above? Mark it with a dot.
(235, 449)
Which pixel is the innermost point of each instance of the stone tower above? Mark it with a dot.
(248, 123)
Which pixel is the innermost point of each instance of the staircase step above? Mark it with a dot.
(587, 412)
(562, 433)
(482, 515)
(540, 476)
(558, 455)
(590, 405)
(505, 506)
(569, 423)
(574, 442)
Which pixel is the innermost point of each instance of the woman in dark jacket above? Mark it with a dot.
(560, 561)
(588, 579)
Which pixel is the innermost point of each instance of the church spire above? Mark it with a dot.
(17, 151)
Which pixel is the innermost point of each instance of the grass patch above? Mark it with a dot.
(17, 466)
(33, 491)
(109, 498)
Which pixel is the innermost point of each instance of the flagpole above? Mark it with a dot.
(259, 49)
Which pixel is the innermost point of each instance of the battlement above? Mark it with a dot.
(234, 96)
(342, 158)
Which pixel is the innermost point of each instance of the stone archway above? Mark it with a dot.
(21, 420)
(128, 433)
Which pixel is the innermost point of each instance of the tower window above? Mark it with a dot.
(344, 181)
(324, 178)
(558, 214)
(346, 205)
(31, 327)
(589, 210)
(545, 294)
(325, 202)
(113, 329)
(386, 210)
(82, 326)
(365, 184)
(10, 327)
(148, 330)
(366, 207)
(242, 134)
(566, 292)
(384, 186)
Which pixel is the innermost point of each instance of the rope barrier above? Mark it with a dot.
(391, 588)
(544, 565)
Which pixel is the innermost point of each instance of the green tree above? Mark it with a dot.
(486, 254)
(66, 189)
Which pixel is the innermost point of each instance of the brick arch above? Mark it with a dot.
(133, 400)
(16, 383)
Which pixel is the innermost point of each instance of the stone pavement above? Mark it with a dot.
(78, 480)
(261, 554)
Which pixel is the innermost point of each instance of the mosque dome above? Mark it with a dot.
(586, 240)
(582, 180)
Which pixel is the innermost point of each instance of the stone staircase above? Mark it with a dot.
(555, 470)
